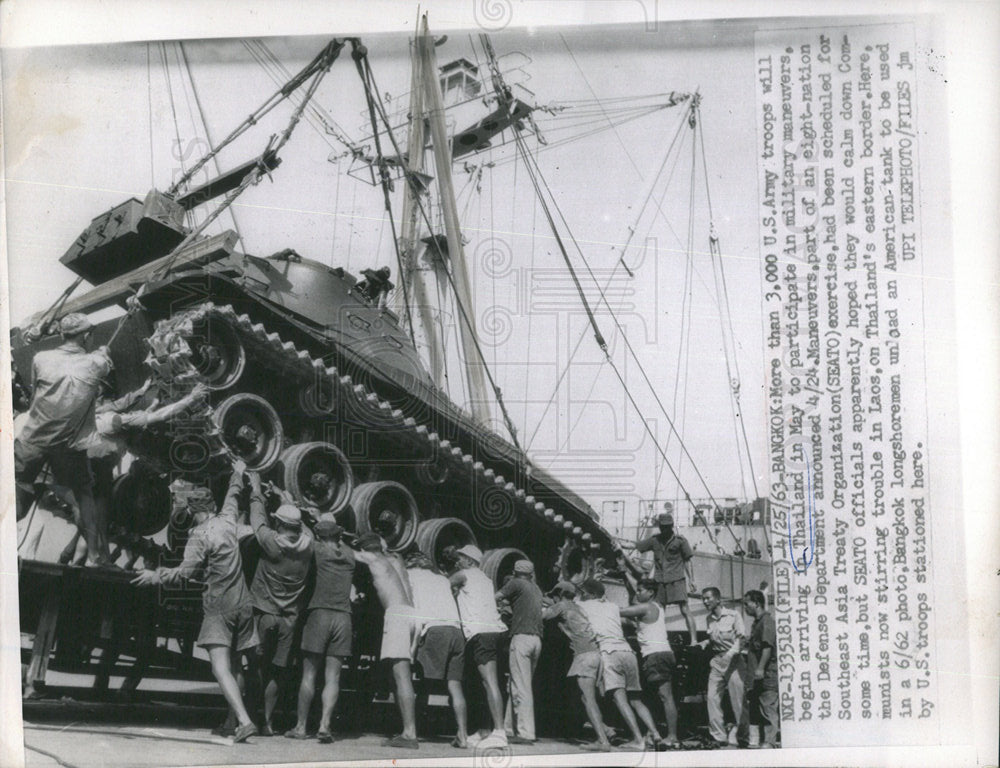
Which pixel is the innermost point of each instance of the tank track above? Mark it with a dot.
(170, 359)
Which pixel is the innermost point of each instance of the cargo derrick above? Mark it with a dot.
(313, 384)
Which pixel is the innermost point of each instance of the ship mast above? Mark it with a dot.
(474, 363)
(410, 245)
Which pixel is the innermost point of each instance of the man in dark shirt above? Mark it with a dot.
(276, 591)
(672, 554)
(763, 699)
(525, 600)
(213, 549)
(328, 628)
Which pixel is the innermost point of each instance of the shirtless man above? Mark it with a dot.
(399, 628)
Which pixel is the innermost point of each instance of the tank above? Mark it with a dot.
(316, 385)
(320, 390)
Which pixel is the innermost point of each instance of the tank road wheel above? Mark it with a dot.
(389, 510)
(216, 352)
(140, 502)
(250, 429)
(318, 475)
(434, 535)
(499, 563)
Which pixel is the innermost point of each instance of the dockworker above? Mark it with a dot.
(328, 627)
(65, 383)
(619, 670)
(398, 629)
(586, 664)
(763, 698)
(116, 421)
(439, 648)
(227, 628)
(673, 570)
(277, 590)
(658, 661)
(726, 634)
(484, 633)
(526, 629)
(376, 286)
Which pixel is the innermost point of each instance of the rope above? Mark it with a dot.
(173, 109)
(320, 64)
(149, 101)
(360, 55)
(600, 339)
(717, 255)
(579, 341)
(208, 135)
(604, 113)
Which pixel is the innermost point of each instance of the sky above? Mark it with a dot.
(88, 127)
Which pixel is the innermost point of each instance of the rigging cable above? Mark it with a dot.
(256, 173)
(149, 101)
(600, 339)
(600, 105)
(726, 320)
(724, 298)
(579, 341)
(687, 249)
(411, 179)
(320, 64)
(208, 134)
(360, 55)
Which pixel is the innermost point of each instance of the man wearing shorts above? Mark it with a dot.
(327, 633)
(440, 645)
(620, 672)
(658, 661)
(399, 629)
(672, 559)
(277, 590)
(586, 665)
(228, 626)
(65, 382)
(484, 632)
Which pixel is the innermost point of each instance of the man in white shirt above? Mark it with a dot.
(439, 648)
(484, 632)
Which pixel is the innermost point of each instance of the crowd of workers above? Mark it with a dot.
(441, 620)
(446, 625)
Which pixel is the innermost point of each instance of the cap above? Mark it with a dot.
(74, 323)
(566, 587)
(365, 540)
(472, 552)
(665, 519)
(328, 529)
(524, 567)
(288, 514)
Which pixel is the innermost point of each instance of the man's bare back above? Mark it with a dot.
(389, 576)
